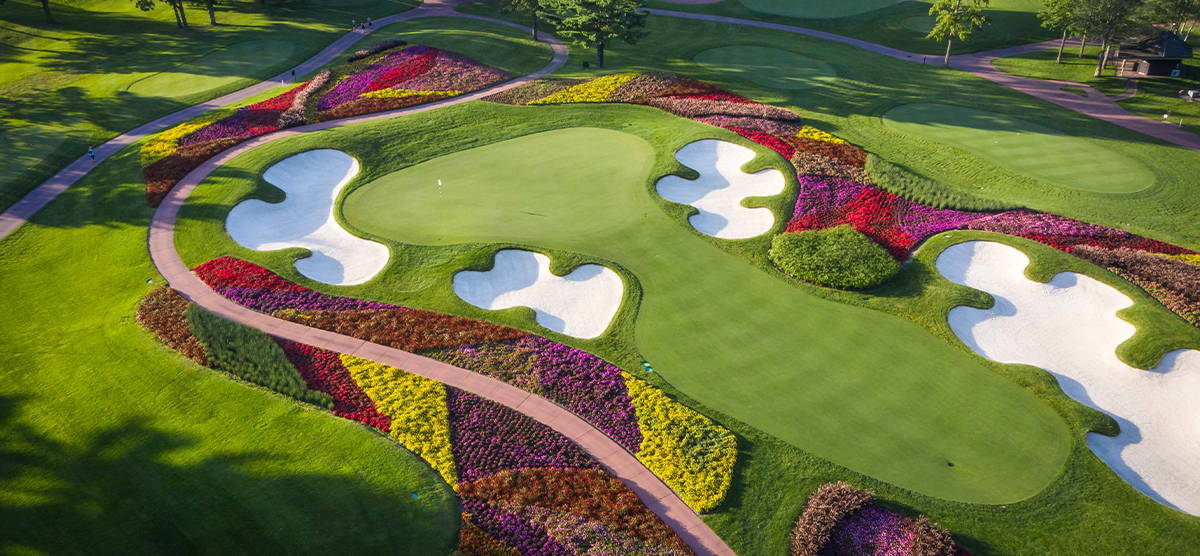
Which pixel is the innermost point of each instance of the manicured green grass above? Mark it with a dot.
(721, 330)
(868, 85)
(902, 25)
(111, 443)
(1041, 65)
(106, 68)
(1155, 96)
(817, 9)
(1084, 508)
(769, 67)
(1022, 146)
(493, 44)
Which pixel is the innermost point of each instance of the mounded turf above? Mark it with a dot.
(769, 67)
(835, 380)
(817, 9)
(1022, 146)
(217, 69)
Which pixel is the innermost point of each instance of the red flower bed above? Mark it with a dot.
(165, 173)
(871, 213)
(406, 329)
(323, 371)
(228, 272)
(594, 495)
(404, 72)
(767, 140)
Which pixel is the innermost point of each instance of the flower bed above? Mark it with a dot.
(526, 490)
(835, 188)
(164, 313)
(840, 520)
(384, 76)
(688, 451)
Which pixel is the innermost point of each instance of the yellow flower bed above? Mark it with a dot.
(1190, 259)
(693, 455)
(165, 143)
(596, 90)
(397, 93)
(417, 407)
(810, 132)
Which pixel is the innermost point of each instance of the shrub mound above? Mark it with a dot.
(835, 257)
(895, 179)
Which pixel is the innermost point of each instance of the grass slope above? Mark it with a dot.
(1022, 146)
(898, 24)
(1086, 507)
(1155, 96)
(106, 68)
(769, 67)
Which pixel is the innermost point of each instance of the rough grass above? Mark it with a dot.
(1085, 508)
(79, 82)
(902, 25)
(838, 257)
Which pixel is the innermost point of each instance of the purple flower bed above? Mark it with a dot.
(577, 380)
(269, 301)
(487, 437)
(872, 531)
(357, 83)
(514, 531)
(453, 72)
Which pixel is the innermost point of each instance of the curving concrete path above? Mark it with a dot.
(1095, 104)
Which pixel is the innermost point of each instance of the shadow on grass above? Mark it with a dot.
(135, 489)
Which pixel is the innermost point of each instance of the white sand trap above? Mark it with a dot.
(719, 191)
(580, 304)
(312, 181)
(1069, 327)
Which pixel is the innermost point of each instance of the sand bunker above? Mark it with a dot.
(1069, 327)
(580, 304)
(312, 181)
(719, 191)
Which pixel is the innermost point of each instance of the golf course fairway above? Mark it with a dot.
(861, 388)
(1026, 148)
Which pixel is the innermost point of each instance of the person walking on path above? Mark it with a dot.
(368, 23)
(92, 154)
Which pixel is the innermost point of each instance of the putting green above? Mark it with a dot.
(215, 69)
(817, 9)
(769, 67)
(862, 388)
(922, 24)
(1026, 148)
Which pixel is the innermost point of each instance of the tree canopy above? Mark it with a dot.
(597, 22)
(956, 20)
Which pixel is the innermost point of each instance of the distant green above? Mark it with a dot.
(1023, 147)
(769, 67)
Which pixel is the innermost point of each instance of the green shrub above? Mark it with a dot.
(251, 355)
(895, 179)
(837, 257)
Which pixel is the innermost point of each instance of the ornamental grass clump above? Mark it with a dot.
(251, 356)
(296, 114)
(386, 44)
(838, 257)
(827, 506)
(893, 178)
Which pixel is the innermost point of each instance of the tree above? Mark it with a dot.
(212, 11)
(1110, 20)
(1176, 12)
(531, 7)
(176, 5)
(46, 8)
(1059, 15)
(596, 22)
(955, 20)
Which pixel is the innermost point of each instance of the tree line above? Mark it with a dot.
(591, 23)
(1111, 21)
(1106, 21)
